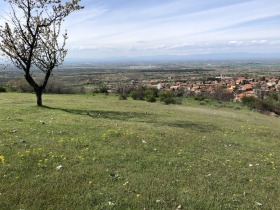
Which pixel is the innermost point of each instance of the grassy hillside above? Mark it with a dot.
(96, 152)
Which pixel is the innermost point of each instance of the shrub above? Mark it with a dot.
(268, 105)
(103, 89)
(19, 85)
(222, 95)
(58, 87)
(2, 89)
(124, 89)
(151, 94)
(138, 94)
(200, 97)
(274, 96)
(123, 97)
(150, 98)
(167, 98)
(53, 86)
(249, 101)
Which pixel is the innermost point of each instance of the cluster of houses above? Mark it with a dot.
(240, 86)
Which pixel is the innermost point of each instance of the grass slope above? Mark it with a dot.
(96, 152)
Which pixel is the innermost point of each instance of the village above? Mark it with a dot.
(259, 87)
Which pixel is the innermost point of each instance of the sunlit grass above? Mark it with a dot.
(97, 152)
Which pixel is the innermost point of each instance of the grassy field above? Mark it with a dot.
(97, 152)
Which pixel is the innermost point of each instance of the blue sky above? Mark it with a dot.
(131, 28)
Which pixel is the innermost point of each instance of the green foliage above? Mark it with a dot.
(123, 97)
(2, 89)
(274, 96)
(167, 98)
(151, 94)
(222, 95)
(20, 85)
(103, 89)
(249, 101)
(53, 87)
(268, 105)
(263, 105)
(200, 97)
(138, 94)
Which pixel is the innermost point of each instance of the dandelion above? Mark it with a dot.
(2, 159)
(138, 195)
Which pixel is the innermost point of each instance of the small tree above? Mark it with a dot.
(30, 37)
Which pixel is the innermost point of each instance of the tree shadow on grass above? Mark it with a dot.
(112, 115)
(200, 127)
(140, 118)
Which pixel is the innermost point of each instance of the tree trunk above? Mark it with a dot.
(39, 97)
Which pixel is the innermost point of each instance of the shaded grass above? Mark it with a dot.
(134, 155)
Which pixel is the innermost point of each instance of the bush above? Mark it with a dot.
(167, 98)
(200, 97)
(268, 105)
(274, 96)
(122, 97)
(125, 89)
(2, 89)
(222, 95)
(103, 89)
(249, 101)
(20, 85)
(53, 86)
(58, 87)
(151, 94)
(138, 94)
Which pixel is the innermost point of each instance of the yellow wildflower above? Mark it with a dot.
(2, 159)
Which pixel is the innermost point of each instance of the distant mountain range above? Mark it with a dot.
(181, 58)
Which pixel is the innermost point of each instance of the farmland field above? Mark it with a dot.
(98, 152)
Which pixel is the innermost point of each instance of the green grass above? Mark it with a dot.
(134, 155)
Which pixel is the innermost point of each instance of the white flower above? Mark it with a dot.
(59, 167)
(111, 203)
(258, 204)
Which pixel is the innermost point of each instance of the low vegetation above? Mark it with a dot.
(99, 152)
(53, 87)
(271, 104)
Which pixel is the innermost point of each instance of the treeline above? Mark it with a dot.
(53, 86)
(170, 96)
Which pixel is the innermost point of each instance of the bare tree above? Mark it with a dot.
(30, 37)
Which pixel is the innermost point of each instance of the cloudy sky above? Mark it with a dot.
(113, 28)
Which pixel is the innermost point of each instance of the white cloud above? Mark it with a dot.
(116, 27)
